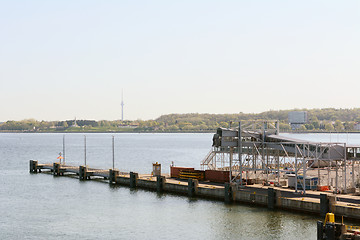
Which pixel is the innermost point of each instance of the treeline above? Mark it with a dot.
(328, 119)
(32, 125)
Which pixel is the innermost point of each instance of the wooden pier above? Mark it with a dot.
(313, 202)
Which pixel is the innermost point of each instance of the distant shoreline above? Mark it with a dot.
(182, 131)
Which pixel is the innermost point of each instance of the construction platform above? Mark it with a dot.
(312, 202)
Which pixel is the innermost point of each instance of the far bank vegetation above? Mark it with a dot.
(327, 120)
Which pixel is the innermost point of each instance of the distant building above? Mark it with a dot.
(297, 119)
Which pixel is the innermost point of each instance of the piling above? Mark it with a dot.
(83, 173)
(160, 183)
(33, 166)
(332, 203)
(56, 169)
(271, 198)
(113, 175)
(320, 230)
(228, 193)
(133, 179)
(192, 187)
(278, 199)
(324, 204)
(330, 231)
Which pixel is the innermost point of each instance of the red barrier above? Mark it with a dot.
(217, 176)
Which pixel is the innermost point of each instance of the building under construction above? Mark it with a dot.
(254, 152)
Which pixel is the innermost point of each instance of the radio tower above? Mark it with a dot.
(122, 105)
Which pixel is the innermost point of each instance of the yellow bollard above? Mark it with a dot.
(330, 217)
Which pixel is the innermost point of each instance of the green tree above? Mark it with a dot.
(316, 124)
(302, 128)
(224, 124)
(339, 126)
(349, 126)
(329, 127)
(284, 126)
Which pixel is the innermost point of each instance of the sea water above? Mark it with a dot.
(40, 206)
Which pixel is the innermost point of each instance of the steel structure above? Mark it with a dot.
(255, 150)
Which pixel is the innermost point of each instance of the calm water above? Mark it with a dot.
(40, 206)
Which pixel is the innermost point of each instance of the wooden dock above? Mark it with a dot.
(313, 202)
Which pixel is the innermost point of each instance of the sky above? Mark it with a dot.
(65, 59)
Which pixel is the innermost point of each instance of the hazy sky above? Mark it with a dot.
(61, 59)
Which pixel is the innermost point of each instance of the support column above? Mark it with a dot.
(240, 154)
(324, 205)
(33, 166)
(230, 163)
(271, 198)
(113, 175)
(133, 179)
(344, 177)
(336, 178)
(192, 187)
(353, 174)
(160, 183)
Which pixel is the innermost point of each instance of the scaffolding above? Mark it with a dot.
(255, 151)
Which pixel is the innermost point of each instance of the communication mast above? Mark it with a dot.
(122, 105)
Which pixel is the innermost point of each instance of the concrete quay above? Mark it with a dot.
(313, 202)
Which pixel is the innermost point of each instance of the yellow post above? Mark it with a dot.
(330, 217)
